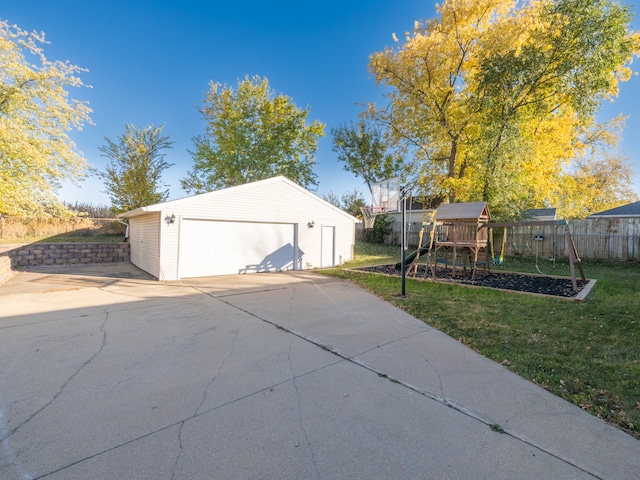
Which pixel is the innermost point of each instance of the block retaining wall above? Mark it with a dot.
(47, 254)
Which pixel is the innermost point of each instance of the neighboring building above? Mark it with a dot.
(416, 211)
(414, 216)
(539, 214)
(268, 225)
(631, 210)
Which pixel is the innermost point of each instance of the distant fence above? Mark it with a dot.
(20, 229)
(611, 239)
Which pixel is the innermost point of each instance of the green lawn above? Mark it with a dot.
(588, 353)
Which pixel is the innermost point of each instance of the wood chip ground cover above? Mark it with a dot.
(540, 284)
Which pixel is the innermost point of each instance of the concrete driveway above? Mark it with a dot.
(108, 374)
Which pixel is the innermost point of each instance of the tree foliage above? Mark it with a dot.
(600, 170)
(363, 152)
(36, 114)
(133, 176)
(493, 97)
(350, 202)
(252, 134)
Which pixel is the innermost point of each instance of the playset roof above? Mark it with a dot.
(463, 212)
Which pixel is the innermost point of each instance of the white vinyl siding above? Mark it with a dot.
(275, 201)
(209, 247)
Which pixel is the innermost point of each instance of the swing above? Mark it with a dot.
(498, 260)
(539, 239)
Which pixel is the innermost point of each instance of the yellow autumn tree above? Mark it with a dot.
(430, 111)
(599, 170)
(36, 114)
(491, 97)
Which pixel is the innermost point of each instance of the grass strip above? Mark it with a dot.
(587, 353)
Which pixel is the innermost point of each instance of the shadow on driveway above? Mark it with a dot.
(66, 277)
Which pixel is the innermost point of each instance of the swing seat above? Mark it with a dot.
(499, 258)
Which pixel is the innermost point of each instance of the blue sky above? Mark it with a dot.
(150, 62)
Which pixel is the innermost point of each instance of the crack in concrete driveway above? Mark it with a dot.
(270, 376)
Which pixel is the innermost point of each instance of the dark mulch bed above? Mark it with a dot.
(559, 287)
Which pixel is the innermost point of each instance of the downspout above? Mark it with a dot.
(126, 232)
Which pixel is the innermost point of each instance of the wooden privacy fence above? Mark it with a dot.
(607, 238)
(610, 239)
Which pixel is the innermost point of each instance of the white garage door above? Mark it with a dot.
(210, 247)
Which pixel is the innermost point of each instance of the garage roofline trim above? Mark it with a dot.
(160, 207)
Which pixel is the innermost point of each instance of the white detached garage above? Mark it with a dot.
(264, 226)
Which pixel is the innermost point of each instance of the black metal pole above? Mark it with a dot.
(403, 241)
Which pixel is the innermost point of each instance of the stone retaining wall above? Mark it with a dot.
(43, 254)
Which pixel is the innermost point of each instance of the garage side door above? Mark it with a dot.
(328, 247)
(144, 237)
(210, 247)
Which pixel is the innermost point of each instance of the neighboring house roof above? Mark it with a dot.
(629, 210)
(161, 207)
(539, 214)
(463, 211)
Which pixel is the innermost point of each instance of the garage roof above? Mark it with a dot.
(160, 207)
